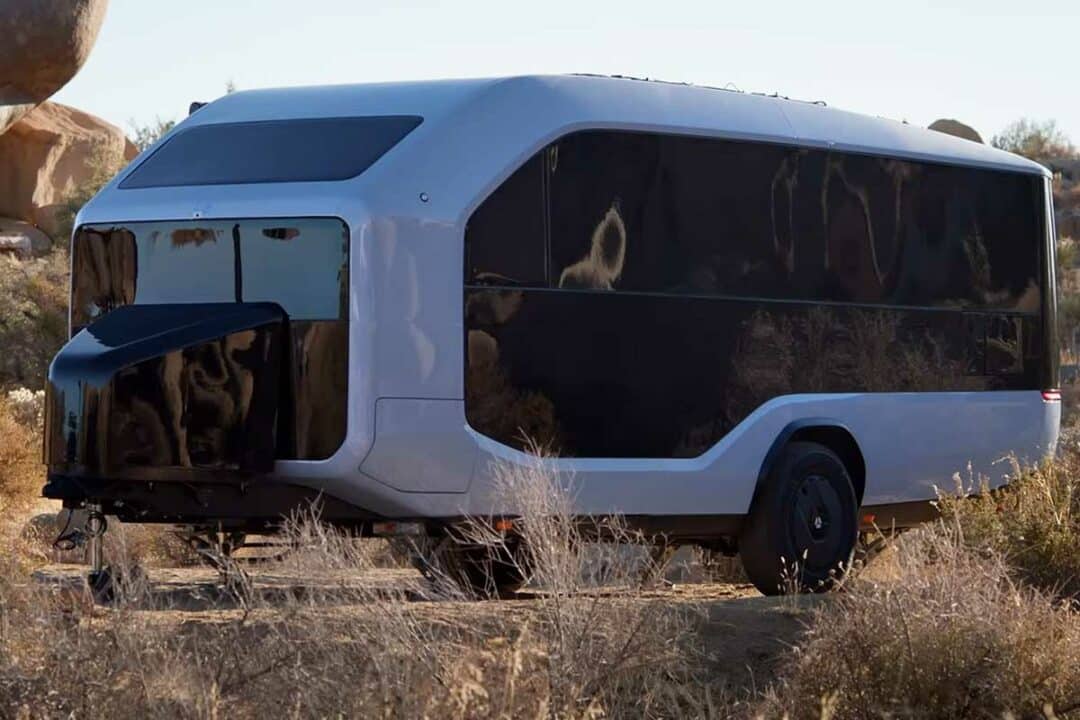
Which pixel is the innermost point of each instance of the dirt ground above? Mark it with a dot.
(741, 633)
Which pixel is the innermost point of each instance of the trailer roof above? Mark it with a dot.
(554, 105)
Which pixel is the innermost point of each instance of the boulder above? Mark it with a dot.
(52, 153)
(22, 239)
(43, 43)
(957, 128)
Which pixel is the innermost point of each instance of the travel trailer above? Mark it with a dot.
(746, 322)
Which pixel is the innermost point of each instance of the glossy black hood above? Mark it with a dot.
(171, 392)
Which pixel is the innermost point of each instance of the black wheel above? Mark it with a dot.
(102, 585)
(478, 570)
(803, 525)
(111, 583)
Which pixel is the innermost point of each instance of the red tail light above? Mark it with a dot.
(1051, 395)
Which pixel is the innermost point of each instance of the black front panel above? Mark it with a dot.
(638, 295)
(318, 375)
(150, 390)
(299, 264)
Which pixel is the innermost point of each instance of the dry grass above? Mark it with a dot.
(970, 624)
(591, 644)
(978, 618)
(601, 638)
(20, 460)
(33, 316)
(953, 637)
(1033, 523)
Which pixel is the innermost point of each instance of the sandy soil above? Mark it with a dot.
(742, 633)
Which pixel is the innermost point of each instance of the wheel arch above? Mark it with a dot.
(825, 431)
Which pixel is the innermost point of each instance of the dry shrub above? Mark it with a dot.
(33, 316)
(27, 407)
(148, 546)
(600, 636)
(21, 473)
(1034, 522)
(352, 644)
(954, 636)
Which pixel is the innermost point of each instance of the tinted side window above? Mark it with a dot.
(965, 238)
(102, 273)
(680, 215)
(676, 215)
(605, 196)
(271, 151)
(504, 240)
(723, 227)
(185, 262)
(300, 264)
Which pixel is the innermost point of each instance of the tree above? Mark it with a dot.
(1037, 140)
(147, 135)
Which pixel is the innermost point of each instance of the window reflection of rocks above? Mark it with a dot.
(520, 417)
(743, 271)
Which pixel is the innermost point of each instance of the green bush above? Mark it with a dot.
(103, 166)
(33, 316)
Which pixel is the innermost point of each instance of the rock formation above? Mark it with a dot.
(51, 153)
(44, 43)
(47, 151)
(957, 128)
(22, 239)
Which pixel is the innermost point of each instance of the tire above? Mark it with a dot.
(803, 526)
(479, 571)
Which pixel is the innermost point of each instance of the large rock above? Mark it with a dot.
(22, 239)
(43, 43)
(52, 153)
(957, 128)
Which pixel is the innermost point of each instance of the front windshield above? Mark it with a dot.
(300, 264)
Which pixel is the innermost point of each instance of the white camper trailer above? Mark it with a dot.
(741, 321)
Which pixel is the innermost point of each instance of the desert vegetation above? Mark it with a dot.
(976, 615)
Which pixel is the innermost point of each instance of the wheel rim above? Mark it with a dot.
(817, 525)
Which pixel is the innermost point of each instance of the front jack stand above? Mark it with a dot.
(100, 577)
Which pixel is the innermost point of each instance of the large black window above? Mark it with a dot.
(271, 151)
(638, 295)
(681, 215)
(507, 232)
(299, 263)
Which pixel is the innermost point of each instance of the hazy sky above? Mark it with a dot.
(985, 62)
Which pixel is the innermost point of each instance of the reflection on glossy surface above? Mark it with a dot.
(509, 228)
(684, 215)
(603, 264)
(300, 264)
(625, 375)
(156, 388)
(103, 273)
(681, 282)
(319, 372)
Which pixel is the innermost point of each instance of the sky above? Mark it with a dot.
(984, 62)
